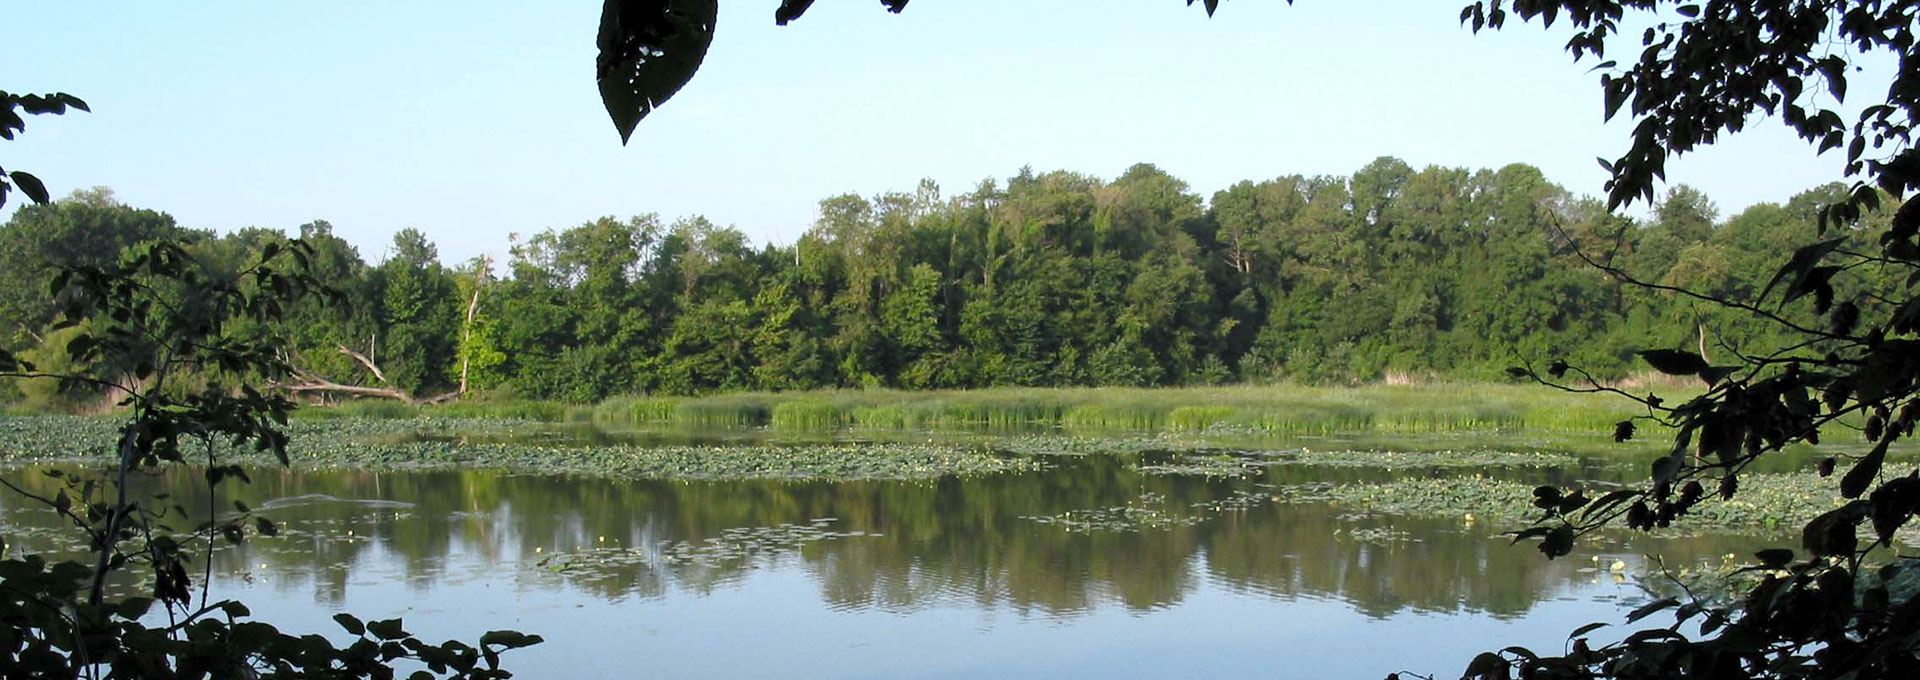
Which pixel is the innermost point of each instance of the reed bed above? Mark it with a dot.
(1280, 410)
(384, 409)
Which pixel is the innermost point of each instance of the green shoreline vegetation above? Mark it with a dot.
(1249, 410)
(1434, 442)
(1057, 279)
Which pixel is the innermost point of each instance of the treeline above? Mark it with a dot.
(1046, 279)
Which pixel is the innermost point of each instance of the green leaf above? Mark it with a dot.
(351, 624)
(648, 51)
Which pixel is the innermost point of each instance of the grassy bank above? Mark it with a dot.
(1282, 410)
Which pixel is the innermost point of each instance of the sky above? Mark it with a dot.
(477, 119)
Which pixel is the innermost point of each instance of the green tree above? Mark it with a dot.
(420, 311)
(87, 228)
(160, 315)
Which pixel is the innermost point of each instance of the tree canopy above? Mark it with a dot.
(1044, 279)
(1061, 278)
(1702, 70)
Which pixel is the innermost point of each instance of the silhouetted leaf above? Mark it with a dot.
(1712, 375)
(1891, 505)
(1857, 479)
(1774, 558)
(1622, 430)
(790, 10)
(1673, 361)
(1801, 265)
(649, 49)
(1485, 665)
(386, 629)
(31, 186)
(509, 639)
(1648, 609)
(1557, 542)
(1583, 630)
(1833, 532)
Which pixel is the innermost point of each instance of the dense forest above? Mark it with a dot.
(1054, 278)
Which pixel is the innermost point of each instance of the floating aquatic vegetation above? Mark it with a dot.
(442, 442)
(1211, 465)
(1150, 511)
(1245, 499)
(1400, 460)
(1147, 512)
(1374, 534)
(732, 546)
(321, 498)
(1766, 502)
(1068, 445)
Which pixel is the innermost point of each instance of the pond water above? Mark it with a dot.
(1089, 568)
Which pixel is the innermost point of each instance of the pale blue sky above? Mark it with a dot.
(471, 120)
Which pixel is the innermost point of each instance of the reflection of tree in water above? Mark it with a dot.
(948, 541)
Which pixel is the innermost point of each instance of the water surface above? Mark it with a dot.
(1175, 575)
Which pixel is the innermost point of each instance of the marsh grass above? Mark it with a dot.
(1277, 411)
(810, 413)
(386, 409)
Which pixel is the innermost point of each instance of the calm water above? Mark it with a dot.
(952, 578)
